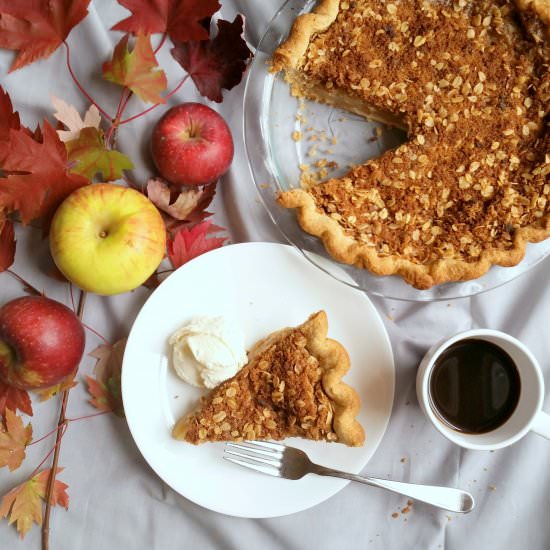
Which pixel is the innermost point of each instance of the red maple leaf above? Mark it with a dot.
(215, 64)
(36, 28)
(180, 19)
(42, 179)
(12, 398)
(7, 244)
(8, 117)
(190, 243)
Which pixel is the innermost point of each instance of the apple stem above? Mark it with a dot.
(28, 287)
(61, 422)
(79, 86)
(166, 97)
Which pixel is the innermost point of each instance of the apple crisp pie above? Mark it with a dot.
(469, 81)
(291, 387)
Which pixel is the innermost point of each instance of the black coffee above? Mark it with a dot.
(474, 386)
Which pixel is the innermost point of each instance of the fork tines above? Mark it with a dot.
(258, 455)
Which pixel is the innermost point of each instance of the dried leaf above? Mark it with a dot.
(12, 398)
(190, 243)
(105, 387)
(36, 29)
(89, 156)
(178, 204)
(180, 19)
(14, 438)
(138, 69)
(47, 393)
(72, 120)
(23, 503)
(7, 244)
(215, 64)
(42, 179)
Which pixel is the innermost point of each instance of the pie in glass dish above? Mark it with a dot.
(291, 387)
(469, 81)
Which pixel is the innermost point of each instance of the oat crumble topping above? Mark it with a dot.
(470, 81)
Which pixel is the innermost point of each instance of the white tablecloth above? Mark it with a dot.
(117, 501)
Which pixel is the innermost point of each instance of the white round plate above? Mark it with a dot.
(263, 287)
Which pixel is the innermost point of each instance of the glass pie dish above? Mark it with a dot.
(289, 140)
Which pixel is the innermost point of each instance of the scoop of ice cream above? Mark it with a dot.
(207, 350)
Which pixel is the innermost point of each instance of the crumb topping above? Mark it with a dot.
(278, 394)
(471, 82)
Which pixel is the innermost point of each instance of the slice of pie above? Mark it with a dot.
(291, 387)
(469, 80)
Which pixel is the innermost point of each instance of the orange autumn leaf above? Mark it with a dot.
(137, 69)
(105, 387)
(47, 393)
(23, 504)
(12, 398)
(14, 438)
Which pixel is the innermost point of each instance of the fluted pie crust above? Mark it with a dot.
(291, 387)
(470, 81)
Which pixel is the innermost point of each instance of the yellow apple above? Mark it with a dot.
(107, 239)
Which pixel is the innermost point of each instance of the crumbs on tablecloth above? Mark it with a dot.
(296, 136)
(405, 510)
(492, 488)
(404, 459)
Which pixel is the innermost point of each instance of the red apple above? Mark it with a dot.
(192, 145)
(41, 342)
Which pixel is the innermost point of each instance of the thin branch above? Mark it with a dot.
(60, 435)
(124, 96)
(24, 283)
(161, 43)
(80, 87)
(182, 82)
(86, 416)
(99, 335)
(34, 441)
(57, 447)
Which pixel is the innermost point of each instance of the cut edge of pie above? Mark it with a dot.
(217, 416)
(342, 247)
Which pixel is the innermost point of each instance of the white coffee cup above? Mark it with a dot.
(528, 414)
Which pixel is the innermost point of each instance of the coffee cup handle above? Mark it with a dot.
(541, 424)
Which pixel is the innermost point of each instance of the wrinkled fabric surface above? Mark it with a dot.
(117, 501)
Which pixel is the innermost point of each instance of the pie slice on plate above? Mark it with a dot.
(469, 81)
(291, 387)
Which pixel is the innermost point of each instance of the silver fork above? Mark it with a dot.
(290, 463)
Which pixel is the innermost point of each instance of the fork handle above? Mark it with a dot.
(447, 498)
